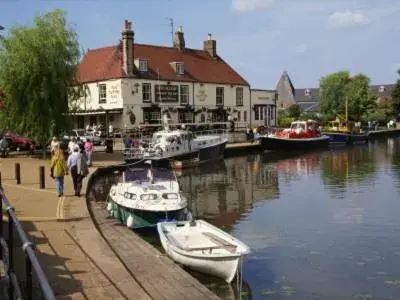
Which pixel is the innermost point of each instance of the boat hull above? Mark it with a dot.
(203, 155)
(224, 268)
(290, 144)
(346, 138)
(142, 218)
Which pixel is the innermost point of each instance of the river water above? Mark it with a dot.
(322, 225)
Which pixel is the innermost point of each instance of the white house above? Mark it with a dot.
(263, 104)
(129, 84)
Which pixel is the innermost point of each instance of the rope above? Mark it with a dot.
(239, 279)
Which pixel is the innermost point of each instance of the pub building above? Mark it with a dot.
(130, 84)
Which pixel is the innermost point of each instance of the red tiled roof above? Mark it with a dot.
(106, 63)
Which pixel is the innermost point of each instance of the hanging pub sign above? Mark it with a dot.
(166, 93)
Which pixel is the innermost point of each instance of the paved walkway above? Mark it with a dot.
(76, 259)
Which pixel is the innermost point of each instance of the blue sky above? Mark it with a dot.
(259, 38)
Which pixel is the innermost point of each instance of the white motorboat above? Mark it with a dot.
(146, 196)
(203, 247)
(182, 145)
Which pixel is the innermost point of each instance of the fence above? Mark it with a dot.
(7, 250)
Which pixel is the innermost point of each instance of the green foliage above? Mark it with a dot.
(294, 111)
(37, 71)
(379, 114)
(338, 87)
(395, 98)
(332, 92)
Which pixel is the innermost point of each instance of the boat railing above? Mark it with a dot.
(19, 287)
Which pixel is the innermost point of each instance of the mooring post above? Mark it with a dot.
(18, 173)
(41, 177)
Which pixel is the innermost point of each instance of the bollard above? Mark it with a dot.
(41, 177)
(18, 173)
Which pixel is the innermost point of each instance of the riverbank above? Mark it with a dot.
(78, 262)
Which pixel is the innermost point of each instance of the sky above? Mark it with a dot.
(259, 38)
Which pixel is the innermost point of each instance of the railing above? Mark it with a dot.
(7, 248)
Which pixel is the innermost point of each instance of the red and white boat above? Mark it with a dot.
(302, 135)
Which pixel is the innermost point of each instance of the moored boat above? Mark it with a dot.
(144, 197)
(179, 145)
(203, 247)
(302, 135)
(339, 134)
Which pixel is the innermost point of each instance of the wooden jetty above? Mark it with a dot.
(157, 274)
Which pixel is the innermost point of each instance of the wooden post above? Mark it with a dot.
(1, 187)
(18, 173)
(41, 177)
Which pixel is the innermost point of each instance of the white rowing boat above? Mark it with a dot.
(203, 247)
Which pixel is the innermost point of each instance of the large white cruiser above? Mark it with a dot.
(168, 145)
(145, 196)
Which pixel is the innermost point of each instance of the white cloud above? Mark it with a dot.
(346, 19)
(301, 48)
(250, 5)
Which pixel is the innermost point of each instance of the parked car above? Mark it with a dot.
(18, 142)
(83, 135)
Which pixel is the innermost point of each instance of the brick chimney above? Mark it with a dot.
(127, 48)
(210, 46)
(179, 40)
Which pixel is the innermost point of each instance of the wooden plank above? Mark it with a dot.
(157, 273)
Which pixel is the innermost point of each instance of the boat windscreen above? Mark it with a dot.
(141, 174)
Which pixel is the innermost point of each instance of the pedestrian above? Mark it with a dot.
(82, 170)
(58, 169)
(73, 169)
(89, 149)
(71, 145)
(54, 143)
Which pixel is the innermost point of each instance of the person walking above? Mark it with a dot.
(89, 149)
(73, 168)
(58, 169)
(82, 169)
(54, 144)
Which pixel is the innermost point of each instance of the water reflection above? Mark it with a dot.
(225, 192)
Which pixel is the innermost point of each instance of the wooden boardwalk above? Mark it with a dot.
(157, 274)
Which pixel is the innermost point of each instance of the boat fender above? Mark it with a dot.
(109, 206)
(189, 216)
(129, 222)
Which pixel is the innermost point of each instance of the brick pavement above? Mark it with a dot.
(76, 259)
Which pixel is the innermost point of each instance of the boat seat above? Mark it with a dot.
(220, 241)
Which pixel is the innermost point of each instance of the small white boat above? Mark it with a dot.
(203, 247)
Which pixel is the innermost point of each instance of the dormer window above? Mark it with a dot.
(180, 70)
(307, 92)
(381, 89)
(141, 64)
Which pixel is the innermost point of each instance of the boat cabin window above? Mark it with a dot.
(170, 196)
(148, 197)
(130, 196)
(297, 125)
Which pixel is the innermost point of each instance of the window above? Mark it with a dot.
(180, 70)
(245, 116)
(188, 117)
(307, 92)
(202, 118)
(146, 92)
(239, 96)
(220, 96)
(381, 89)
(259, 113)
(184, 93)
(142, 65)
(102, 93)
(238, 116)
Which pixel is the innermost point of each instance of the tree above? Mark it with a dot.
(37, 73)
(360, 99)
(332, 93)
(337, 88)
(395, 98)
(294, 111)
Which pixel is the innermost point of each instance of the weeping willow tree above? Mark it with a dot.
(37, 70)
